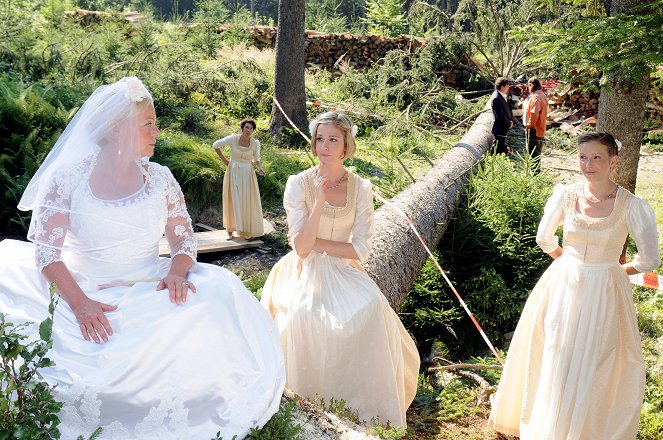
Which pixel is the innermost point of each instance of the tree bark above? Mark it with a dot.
(289, 87)
(398, 256)
(622, 111)
(622, 114)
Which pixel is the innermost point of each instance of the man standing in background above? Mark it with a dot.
(537, 113)
(502, 114)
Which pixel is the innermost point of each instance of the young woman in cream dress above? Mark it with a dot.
(242, 210)
(575, 369)
(341, 338)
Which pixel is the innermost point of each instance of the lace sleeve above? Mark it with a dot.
(178, 227)
(362, 229)
(51, 221)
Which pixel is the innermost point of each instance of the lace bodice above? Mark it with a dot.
(351, 223)
(600, 240)
(109, 240)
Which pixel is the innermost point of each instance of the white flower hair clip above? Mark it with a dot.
(135, 91)
(312, 125)
(619, 145)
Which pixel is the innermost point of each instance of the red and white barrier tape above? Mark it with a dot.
(650, 280)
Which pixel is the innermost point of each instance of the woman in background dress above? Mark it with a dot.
(575, 369)
(341, 338)
(242, 210)
(181, 349)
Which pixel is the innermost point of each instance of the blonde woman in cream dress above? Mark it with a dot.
(242, 210)
(341, 338)
(575, 369)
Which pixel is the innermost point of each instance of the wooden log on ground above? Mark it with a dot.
(398, 256)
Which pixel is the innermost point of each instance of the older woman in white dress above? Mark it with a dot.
(144, 347)
(341, 338)
(575, 369)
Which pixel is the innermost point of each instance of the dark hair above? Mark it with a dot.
(535, 82)
(501, 82)
(602, 138)
(243, 122)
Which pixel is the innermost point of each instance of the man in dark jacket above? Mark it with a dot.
(502, 114)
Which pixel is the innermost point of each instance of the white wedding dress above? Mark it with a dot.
(212, 364)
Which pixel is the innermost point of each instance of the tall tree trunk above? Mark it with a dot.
(622, 111)
(622, 114)
(290, 64)
(397, 256)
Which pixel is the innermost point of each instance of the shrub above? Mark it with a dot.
(28, 409)
(31, 119)
(490, 254)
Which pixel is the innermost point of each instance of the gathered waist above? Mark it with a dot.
(569, 256)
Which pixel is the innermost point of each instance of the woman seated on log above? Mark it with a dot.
(181, 349)
(341, 338)
(575, 369)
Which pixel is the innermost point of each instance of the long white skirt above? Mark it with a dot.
(169, 371)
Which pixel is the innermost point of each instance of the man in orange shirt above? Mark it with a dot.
(537, 112)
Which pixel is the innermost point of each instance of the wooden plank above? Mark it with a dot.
(213, 241)
(216, 241)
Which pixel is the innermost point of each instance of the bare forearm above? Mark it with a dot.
(220, 154)
(304, 240)
(67, 287)
(340, 249)
(630, 270)
(556, 253)
(180, 265)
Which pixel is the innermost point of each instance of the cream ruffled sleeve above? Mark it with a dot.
(553, 217)
(228, 140)
(361, 237)
(256, 151)
(294, 202)
(641, 224)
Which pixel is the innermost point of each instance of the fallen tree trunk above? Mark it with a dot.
(397, 256)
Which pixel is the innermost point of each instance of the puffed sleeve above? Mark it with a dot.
(641, 224)
(294, 202)
(361, 237)
(225, 141)
(256, 151)
(553, 217)
(178, 226)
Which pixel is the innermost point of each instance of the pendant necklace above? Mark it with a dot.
(595, 199)
(343, 178)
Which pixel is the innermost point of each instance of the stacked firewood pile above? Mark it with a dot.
(330, 50)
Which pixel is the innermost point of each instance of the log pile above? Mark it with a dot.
(329, 50)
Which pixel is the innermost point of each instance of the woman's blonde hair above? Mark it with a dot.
(340, 120)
